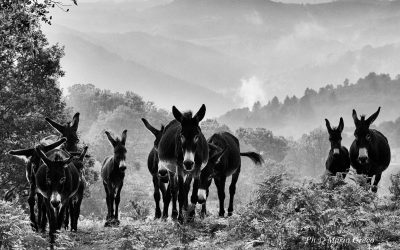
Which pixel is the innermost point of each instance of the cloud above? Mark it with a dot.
(250, 91)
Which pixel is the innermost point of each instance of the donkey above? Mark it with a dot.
(183, 150)
(224, 153)
(33, 161)
(370, 151)
(57, 181)
(68, 131)
(113, 174)
(158, 181)
(74, 207)
(338, 159)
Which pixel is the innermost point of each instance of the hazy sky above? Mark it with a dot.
(284, 1)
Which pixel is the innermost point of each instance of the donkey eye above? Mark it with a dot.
(196, 138)
(48, 182)
(182, 138)
(368, 137)
(62, 180)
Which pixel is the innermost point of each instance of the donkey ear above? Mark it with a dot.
(123, 137)
(328, 125)
(201, 113)
(54, 145)
(341, 125)
(152, 129)
(60, 128)
(355, 117)
(177, 114)
(373, 117)
(112, 141)
(22, 153)
(83, 154)
(42, 155)
(75, 121)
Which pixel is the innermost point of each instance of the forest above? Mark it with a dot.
(283, 204)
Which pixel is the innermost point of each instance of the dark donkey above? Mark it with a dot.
(183, 150)
(338, 159)
(224, 161)
(158, 180)
(113, 174)
(74, 207)
(370, 151)
(68, 131)
(33, 160)
(57, 181)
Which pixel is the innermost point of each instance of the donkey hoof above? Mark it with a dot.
(174, 215)
(229, 213)
(107, 224)
(34, 227)
(374, 189)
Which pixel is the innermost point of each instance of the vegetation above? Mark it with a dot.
(303, 113)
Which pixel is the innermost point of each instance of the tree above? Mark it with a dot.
(264, 141)
(309, 153)
(28, 85)
(212, 126)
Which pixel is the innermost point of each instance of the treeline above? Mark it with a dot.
(294, 115)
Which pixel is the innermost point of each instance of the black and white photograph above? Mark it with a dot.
(200, 124)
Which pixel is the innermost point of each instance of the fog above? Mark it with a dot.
(226, 53)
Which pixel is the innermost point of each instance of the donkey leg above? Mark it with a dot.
(166, 200)
(31, 202)
(68, 212)
(42, 211)
(220, 183)
(107, 201)
(374, 187)
(76, 213)
(117, 200)
(52, 221)
(193, 198)
(181, 197)
(156, 196)
(232, 190)
(174, 189)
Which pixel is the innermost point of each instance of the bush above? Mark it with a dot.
(395, 187)
(313, 215)
(15, 230)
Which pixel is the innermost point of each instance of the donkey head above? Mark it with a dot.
(208, 172)
(157, 133)
(363, 135)
(190, 134)
(335, 136)
(68, 130)
(119, 149)
(78, 161)
(55, 176)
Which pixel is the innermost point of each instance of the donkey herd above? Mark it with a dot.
(179, 155)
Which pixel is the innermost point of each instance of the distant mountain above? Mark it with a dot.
(86, 62)
(294, 116)
(219, 44)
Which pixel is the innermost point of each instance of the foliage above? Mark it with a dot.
(308, 155)
(312, 215)
(212, 126)
(15, 230)
(295, 115)
(395, 187)
(28, 85)
(264, 141)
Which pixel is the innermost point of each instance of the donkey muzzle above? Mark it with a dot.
(188, 165)
(336, 151)
(55, 200)
(162, 173)
(363, 156)
(201, 196)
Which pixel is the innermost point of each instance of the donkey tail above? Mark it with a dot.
(255, 157)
